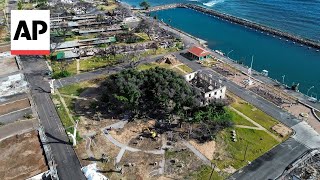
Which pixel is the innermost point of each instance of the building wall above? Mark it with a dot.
(216, 94)
(190, 76)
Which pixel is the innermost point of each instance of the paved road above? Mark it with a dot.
(68, 165)
(103, 71)
(273, 163)
(303, 98)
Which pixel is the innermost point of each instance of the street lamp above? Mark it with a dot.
(283, 78)
(229, 53)
(309, 89)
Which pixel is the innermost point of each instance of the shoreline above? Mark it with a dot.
(299, 96)
(243, 22)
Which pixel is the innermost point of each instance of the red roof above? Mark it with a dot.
(198, 51)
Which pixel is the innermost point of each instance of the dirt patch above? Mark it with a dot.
(99, 145)
(131, 130)
(14, 106)
(282, 130)
(181, 162)
(229, 170)
(21, 157)
(207, 148)
(143, 164)
(5, 48)
(8, 65)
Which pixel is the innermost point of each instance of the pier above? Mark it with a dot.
(240, 21)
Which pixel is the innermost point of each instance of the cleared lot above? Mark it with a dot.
(14, 106)
(21, 157)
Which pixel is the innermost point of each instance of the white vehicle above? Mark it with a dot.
(219, 52)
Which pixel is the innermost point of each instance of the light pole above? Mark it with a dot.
(309, 89)
(229, 53)
(283, 78)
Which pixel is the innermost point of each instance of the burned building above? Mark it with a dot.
(210, 88)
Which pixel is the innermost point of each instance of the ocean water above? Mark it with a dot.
(298, 63)
(299, 17)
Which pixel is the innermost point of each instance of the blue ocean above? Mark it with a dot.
(300, 17)
(297, 62)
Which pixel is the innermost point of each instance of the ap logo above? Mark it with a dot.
(30, 32)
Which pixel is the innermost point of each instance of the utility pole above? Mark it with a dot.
(74, 135)
(309, 90)
(229, 53)
(245, 152)
(51, 86)
(212, 166)
(283, 78)
(250, 82)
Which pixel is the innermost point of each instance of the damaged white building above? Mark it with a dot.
(210, 88)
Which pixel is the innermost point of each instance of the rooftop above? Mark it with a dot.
(198, 51)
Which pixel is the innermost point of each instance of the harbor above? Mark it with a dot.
(273, 53)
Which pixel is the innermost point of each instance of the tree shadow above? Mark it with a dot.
(107, 171)
(92, 159)
(57, 140)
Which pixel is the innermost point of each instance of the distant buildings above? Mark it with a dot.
(210, 89)
(198, 53)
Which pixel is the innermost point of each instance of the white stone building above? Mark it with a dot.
(210, 89)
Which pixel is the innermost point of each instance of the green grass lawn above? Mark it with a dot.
(98, 62)
(70, 66)
(107, 8)
(27, 6)
(147, 66)
(237, 119)
(144, 36)
(255, 114)
(205, 173)
(66, 121)
(78, 88)
(186, 68)
(89, 36)
(232, 153)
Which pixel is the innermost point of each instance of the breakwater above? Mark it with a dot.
(243, 22)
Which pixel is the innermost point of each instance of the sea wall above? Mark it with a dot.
(244, 22)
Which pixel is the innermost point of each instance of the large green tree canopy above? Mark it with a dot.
(161, 94)
(156, 90)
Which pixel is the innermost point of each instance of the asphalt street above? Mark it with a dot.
(272, 164)
(99, 72)
(68, 165)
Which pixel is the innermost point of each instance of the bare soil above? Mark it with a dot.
(181, 162)
(8, 65)
(282, 130)
(14, 106)
(131, 130)
(207, 148)
(21, 157)
(143, 165)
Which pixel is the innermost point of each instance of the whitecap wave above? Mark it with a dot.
(194, 0)
(212, 3)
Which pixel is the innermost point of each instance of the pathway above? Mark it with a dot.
(196, 152)
(64, 105)
(124, 147)
(248, 127)
(74, 97)
(258, 126)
